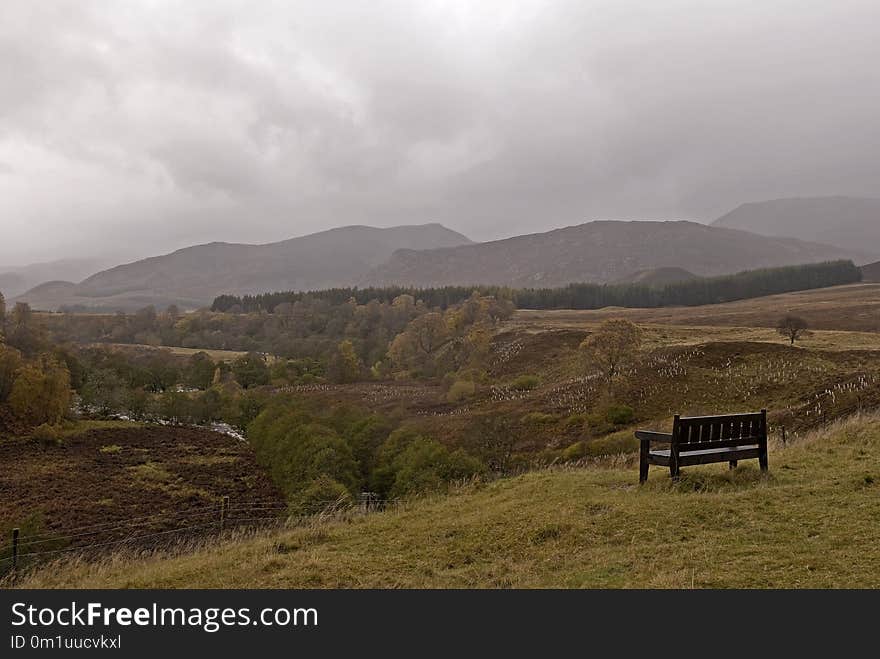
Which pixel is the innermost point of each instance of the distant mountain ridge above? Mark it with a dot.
(16, 280)
(848, 222)
(602, 251)
(192, 277)
(871, 272)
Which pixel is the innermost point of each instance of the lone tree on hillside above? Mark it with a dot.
(793, 328)
(614, 345)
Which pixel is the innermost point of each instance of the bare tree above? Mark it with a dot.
(792, 327)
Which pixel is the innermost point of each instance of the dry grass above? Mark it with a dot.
(855, 307)
(810, 523)
(216, 355)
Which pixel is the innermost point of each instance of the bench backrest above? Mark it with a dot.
(692, 433)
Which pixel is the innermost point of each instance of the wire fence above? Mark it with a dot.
(24, 549)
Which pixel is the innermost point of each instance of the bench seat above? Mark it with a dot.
(706, 456)
(698, 440)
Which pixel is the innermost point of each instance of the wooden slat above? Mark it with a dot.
(722, 417)
(723, 443)
(708, 458)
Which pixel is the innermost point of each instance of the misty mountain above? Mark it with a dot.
(850, 222)
(871, 272)
(601, 251)
(192, 277)
(17, 280)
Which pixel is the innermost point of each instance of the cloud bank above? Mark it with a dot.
(133, 128)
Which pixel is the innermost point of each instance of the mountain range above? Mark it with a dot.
(605, 251)
(192, 277)
(16, 280)
(601, 251)
(850, 222)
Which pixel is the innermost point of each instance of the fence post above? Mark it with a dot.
(783, 435)
(15, 533)
(224, 505)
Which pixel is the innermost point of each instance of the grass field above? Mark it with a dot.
(811, 523)
(855, 307)
(216, 355)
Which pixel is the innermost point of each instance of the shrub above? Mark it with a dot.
(48, 435)
(460, 390)
(619, 415)
(426, 465)
(525, 383)
(616, 444)
(574, 452)
(322, 492)
(409, 462)
(538, 419)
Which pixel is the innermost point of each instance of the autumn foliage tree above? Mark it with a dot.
(345, 365)
(40, 393)
(613, 346)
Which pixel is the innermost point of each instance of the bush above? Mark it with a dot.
(320, 493)
(620, 415)
(616, 444)
(460, 390)
(574, 452)
(538, 419)
(409, 462)
(48, 435)
(426, 465)
(525, 383)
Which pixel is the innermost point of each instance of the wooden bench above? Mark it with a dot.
(697, 440)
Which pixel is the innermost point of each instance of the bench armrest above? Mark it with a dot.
(652, 436)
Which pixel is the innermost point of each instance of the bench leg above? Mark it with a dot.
(643, 463)
(733, 464)
(674, 471)
(762, 460)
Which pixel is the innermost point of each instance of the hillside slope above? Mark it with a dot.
(871, 272)
(658, 277)
(193, 276)
(602, 251)
(15, 281)
(848, 222)
(810, 524)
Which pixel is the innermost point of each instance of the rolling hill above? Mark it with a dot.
(193, 276)
(848, 222)
(601, 251)
(16, 280)
(810, 524)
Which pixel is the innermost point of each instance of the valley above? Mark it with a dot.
(533, 405)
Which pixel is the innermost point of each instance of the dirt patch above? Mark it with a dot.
(112, 483)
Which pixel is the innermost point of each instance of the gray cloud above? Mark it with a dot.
(134, 128)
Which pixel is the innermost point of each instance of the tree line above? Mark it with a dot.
(695, 292)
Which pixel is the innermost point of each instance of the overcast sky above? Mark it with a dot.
(129, 128)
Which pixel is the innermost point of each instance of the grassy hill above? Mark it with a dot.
(854, 307)
(811, 523)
